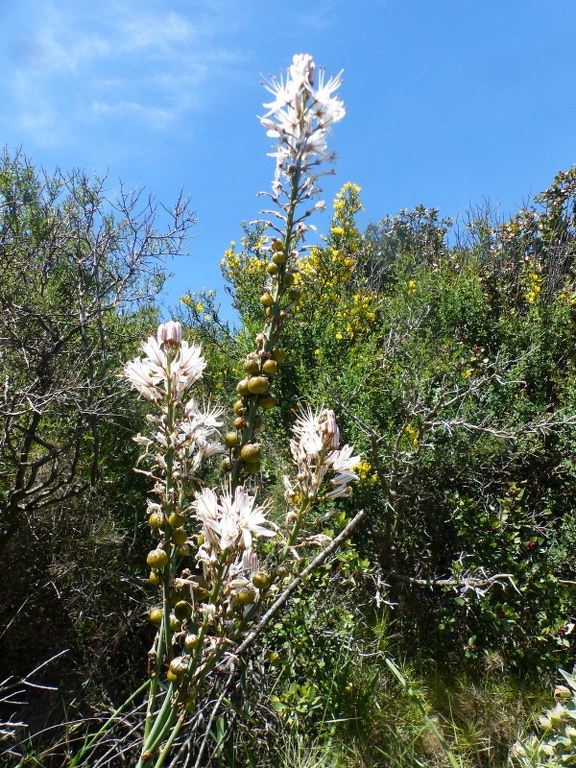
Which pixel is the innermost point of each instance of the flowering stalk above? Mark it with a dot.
(216, 595)
(299, 118)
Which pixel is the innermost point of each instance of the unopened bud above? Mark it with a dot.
(330, 429)
(170, 333)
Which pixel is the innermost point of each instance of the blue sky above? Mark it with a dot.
(449, 103)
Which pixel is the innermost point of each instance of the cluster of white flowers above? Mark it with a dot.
(555, 746)
(317, 454)
(229, 521)
(164, 375)
(168, 362)
(300, 117)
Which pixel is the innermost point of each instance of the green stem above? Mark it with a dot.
(164, 635)
(273, 323)
(79, 756)
(172, 738)
(162, 724)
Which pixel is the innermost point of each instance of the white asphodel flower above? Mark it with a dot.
(315, 432)
(250, 517)
(302, 113)
(166, 358)
(231, 521)
(318, 457)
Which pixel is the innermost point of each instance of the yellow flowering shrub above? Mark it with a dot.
(332, 265)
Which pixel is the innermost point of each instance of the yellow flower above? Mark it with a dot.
(362, 469)
(411, 432)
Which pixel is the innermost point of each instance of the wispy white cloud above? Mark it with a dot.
(120, 60)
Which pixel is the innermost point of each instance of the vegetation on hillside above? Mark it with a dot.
(433, 634)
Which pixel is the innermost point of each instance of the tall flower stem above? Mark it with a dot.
(210, 610)
(274, 321)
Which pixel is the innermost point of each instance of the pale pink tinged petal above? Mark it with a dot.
(169, 332)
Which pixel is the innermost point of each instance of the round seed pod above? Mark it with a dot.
(258, 385)
(174, 623)
(261, 580)
(267, 300)
(179, 536)
(176, 520)
(245, 597)
(183, 550)
(242, 387)
(183, 610)
(252, 467)
(240, 422)
(266, 402)
(251, 365)
(226, 464)
(156, 520)
(231, 439)
(277, 245)
(239, 408)
(279, 258)
(272, 269)
(278, 354)
(155, 615)
(157, 558)
(191, 641)
(154, 578)
(269, 367)
(179, 665)
(251, 452)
